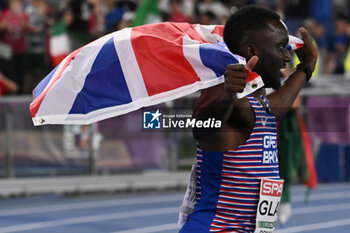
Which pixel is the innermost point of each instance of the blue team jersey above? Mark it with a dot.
(228, 183)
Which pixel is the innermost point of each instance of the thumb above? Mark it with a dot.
(252, 63)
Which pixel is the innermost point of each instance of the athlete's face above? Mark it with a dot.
(271, 48)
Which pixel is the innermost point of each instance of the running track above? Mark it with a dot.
(328, 210)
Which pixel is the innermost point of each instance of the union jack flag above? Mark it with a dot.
(133, 68)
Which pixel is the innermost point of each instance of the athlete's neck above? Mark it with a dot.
(260, 92)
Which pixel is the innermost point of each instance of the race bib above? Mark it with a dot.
(269, 202)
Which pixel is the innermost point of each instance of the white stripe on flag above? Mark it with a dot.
(59, 45)
(128, 62)
(191, 52)
(184, 90)
(58, 70)
(251, 87)
(205, 31)
(65, 90)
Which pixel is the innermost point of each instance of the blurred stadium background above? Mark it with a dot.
(113, 176)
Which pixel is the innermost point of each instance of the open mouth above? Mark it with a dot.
(282, 71)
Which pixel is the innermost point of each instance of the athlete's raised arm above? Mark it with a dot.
(282, 99)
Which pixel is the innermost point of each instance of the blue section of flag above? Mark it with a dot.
(42, 85)
(105, 85)
(216, 57)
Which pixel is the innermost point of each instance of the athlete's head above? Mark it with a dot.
(255, 30)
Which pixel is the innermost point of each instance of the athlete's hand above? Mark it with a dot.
(308, 53)
(236, 76)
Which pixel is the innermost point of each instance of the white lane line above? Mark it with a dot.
(296, 211)
(131, 214)
(316, 226)
(137, 201)
(89, 204)
(152, 229)
(315, 209)
(88, 219)
(321, 196)
(139, 213)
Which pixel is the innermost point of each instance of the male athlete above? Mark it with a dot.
(233, 161)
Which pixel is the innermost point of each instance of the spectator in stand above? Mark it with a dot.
(13, 27)
(36, 44)
(338, 47)
(59, 45)
(97, 19)
(78, 30)
(175, 13)
(341, 9)
(317, 32)
(128, 18)
(186, 7)
(207, 18)
(116, 11)
(113, 16)
(295, 12)
(321, 11)
(220, 10)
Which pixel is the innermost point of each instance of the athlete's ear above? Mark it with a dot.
(251, 50)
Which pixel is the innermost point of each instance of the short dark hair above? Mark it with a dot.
(246, 19)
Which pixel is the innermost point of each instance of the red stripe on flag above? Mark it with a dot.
(169, 69)
(219, 30)
(190, 30)
(35, 105)
(251, 75)
(299, 45)
(56, 60)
